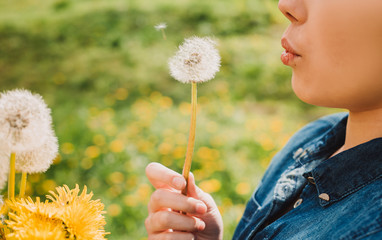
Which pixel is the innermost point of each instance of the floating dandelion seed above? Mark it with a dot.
(197, 60)
(161, 27)
(25, 120)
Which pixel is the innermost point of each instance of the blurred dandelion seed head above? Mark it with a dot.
(25, 121)
(194, 59)
(39, 159)
(197, 60)
(160, 26)
(17, 121)
(4, 170)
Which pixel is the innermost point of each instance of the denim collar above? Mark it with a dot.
(323, 146)
(346, 172)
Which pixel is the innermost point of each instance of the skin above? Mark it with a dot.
(203, 220)
(340, 44)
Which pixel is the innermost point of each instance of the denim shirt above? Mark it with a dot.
(305, 194)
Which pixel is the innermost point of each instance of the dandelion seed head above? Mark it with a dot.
(39, 159)
(160, 26)
(4, 169)
(25, 121)
(193, 60)
(197, 60)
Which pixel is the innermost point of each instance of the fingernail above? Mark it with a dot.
(201, 208)
(179, 182)
(201, 226)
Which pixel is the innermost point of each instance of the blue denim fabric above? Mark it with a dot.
(341, 200)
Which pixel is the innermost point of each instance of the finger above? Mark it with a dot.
(172, 236)
(162, 199)
(164, 220)
(163, 177)
(195, 192)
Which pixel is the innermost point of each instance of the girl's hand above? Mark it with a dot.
(202, 221)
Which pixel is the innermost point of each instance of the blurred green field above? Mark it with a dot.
(101, 67)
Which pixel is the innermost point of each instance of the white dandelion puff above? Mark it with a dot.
(2, 210)
(160, 26)
(4, 169)
(39, 159)
(25, 120)
(197, 60)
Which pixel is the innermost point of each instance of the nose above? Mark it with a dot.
(294, 10)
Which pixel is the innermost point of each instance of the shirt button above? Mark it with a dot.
(297, 203)
(311, 180)
(324, 196)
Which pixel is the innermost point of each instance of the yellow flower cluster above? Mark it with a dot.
(68, 215)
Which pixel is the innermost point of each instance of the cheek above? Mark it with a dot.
(343, 55)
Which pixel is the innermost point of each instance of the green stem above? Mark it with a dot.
(23, 184)
(11, 180)
(191, 138)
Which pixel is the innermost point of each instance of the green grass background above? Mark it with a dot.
(102, 68)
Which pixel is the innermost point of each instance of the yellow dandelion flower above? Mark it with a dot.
(30, 226)
(69, 215)
(82, 216)
(44, 209)
(4, 230)
(30, 220)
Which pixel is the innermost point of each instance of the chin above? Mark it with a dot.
(311, 94)
(299, 88)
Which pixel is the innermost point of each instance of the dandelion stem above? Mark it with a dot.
(163, 34)
(23, 184)
(191, 138)
(11, 180)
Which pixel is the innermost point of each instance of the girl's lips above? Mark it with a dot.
(289, 56)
